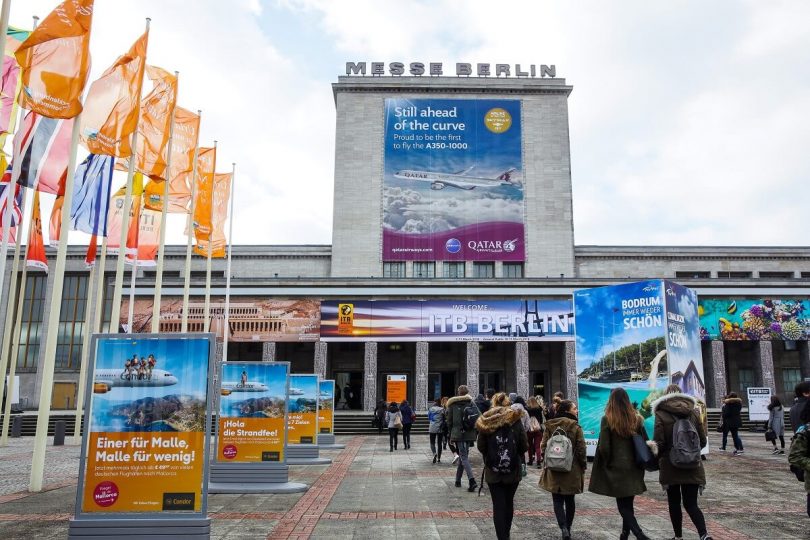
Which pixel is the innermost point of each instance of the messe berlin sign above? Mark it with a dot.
(462, 69)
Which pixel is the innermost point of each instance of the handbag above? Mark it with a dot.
(644, 456)
(770, 435)
(398, 421)
(534, 424)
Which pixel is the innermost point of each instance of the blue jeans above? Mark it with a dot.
(464, 460)
(738, 445)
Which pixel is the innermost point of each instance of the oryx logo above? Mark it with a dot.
(453, 245)
(510, 245)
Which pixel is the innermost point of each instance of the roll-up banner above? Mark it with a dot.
(145, 449)
(326, 407)
(302, 419)
(252, 412)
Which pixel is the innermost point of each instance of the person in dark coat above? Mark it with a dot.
(776, 422)
(463, 439)
(800, 450)
(502, 485)
(563, 486)
(379, 416)
(802, 392)
(482, 403)
(732, 422)
(408, 416)
(682, 485)
(615, 473)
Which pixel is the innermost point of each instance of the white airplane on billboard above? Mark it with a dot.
(247, 387)
(459, 179)
(296, 391)
(105, 380)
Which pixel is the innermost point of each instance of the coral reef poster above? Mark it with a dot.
(738, 319)
(148, 413)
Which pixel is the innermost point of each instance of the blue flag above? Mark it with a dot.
(91, 195)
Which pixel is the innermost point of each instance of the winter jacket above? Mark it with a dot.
(796, 412)
(436, 418)
(391, 415)
(572, 482)
(666, 409)
(455, 414)
(524, 416)
(776, 421)
(407, 414)
(482, 403)
(615, 473)
(732, 413)
(490, 422)
(800, 453)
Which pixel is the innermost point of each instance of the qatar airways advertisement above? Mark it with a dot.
(453, 180)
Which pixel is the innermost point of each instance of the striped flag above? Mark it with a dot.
(35, 254)
(91, 195)
(42, 146)
(16, 213)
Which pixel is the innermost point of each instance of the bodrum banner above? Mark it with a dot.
(452, 186)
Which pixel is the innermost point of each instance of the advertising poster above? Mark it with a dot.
(739, 319)
(302, 418)
(684, 355)
(252, 412)
(146, 446)
(396, 388)
(620, 338)
(326, 407)
(448, 320)
(758, 401)
(452, 185)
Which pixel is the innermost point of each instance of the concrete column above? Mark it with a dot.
(320, 358)
(763, 372)
(370, 376)
(269, 351)
(421, 401)
(522, 368)
(472, 367)
(715, 368)
(570, 372)
(804, 359)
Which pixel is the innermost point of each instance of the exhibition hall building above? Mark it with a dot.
(453, 261)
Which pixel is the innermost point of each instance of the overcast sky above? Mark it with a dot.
(689, 119)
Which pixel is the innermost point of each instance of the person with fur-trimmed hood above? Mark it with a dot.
(461, 438)
(502, 473)
(682, 485)
(732, 422)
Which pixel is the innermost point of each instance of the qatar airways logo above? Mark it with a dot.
(493, 246)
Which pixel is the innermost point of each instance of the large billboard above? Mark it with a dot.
(146, 446)
(452, 186)
(684, 356)
(742, 319)
(252, 412)
(448, 320)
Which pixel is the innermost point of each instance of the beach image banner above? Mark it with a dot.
(453, 180)
(146, 445)
(302, 401)
(684, 355)
(326, 406)
(252, 412)
(620, 342)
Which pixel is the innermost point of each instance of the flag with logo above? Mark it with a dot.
(35, 254)
(91, 195)
(42, 149)
(148, 238)
(219, 214)
(184, 141)
(55, 60)
(111, 108)
(116, 215)
(201, 220)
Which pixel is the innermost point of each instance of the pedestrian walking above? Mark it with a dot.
(446, 431)
(615, 472)
(482, 403)
(799, 457)
(408, 417)
(776, 424)
(501, 441)
(436, 429)
(555, 403)
(731, 413)
(393, 419)
(564, 434)
(802, 392)
(679, 444)
(462, 415)
(379, 416)
(535, 433)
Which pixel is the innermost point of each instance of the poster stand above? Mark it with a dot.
(305, 454)
(327, 442)
(325, 439)
(302, 427)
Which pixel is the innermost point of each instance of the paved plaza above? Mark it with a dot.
(368, 492)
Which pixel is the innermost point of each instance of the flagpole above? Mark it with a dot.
(228, 268)
(54, 311)
(134, 274)
(164, 213)
(4, 14)
(206, 320)
(77, 426)
(115, 316)
(190, 231)
(98, 313)
(8, 203)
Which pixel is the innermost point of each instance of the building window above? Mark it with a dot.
(692, 274)
(454, 269)
(394, 269)
(71, 322)
(746, 380)
(733, 275)
(483, 270)
(805, 275)
(31, 322)
(776, 275)
(424, 270)
(513, 270)
(790, 378)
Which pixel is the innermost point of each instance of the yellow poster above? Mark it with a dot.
(345, 318)
(302, 418)
(326, 405)
(396, 388)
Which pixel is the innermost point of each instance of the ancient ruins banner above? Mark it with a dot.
(146, 447)
(302, 418)
(326, 407)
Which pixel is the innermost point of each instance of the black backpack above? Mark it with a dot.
(469, 416)
(502, 455)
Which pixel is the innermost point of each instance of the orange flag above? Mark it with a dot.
(186, 135)
(112, 104)
(55, 60)
(35, 254)
(201, 220)
(219, 214)
(148, 238)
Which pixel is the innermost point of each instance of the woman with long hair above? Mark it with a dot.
(535, 432)
(615, 473)
(776, 422)
(393, 419)
(436, 428)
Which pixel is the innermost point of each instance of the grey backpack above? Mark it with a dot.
(559, 452)
(685, 451)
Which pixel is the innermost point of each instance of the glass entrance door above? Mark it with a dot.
(490, 380)
(537, 380)
(441, 384)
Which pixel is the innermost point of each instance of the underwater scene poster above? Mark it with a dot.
(750, 319)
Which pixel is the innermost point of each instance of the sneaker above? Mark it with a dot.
(439, 460)
(722, 449)
(458, 483)
(775, 451)
(781, 452)
(706, 537)
(473, 485)
(434, 458)
(455, 459)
